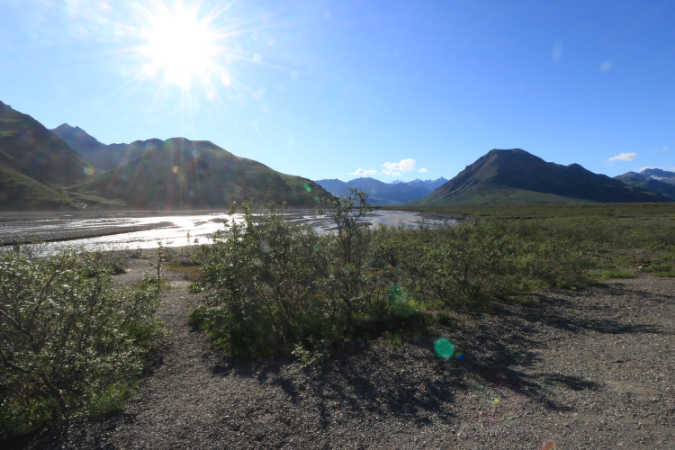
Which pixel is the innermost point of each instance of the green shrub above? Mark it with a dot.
(70, 344)
(280, 288)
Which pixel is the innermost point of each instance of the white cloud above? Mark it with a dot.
(339, 178)
(423, 170)
(364, 172)
(405, 165)
(621, 157)
(664, 149)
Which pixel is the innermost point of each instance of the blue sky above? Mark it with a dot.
(322, 89)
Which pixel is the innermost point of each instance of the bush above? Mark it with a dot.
(280, 288)
(70, 344)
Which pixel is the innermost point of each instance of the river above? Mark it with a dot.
(98, 230)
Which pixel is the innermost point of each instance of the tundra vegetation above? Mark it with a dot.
(71, 344)
(275, 288)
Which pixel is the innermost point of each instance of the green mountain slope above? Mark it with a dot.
(29, 148)
(518, 177)
(19, 192)
(184, 174)
(645, 182)
(102, 156)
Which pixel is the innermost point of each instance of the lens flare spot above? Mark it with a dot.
(444, 348)
(88, 171)
(176, 169)
(307, 188)
(191, 193)
(195, 153)
(257, 58)
(403, 305)
(605, 66)
(494, 401)
(460, 356)
(226, 80)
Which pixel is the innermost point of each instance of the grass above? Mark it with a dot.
(641, 211)
(625, 239)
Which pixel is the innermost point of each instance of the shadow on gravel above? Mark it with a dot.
(366, 378)
(575, 320)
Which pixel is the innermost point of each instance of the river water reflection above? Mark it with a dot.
(132, 230)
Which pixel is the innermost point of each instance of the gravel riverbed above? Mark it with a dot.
(592, 369)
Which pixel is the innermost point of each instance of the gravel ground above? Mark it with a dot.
(592, 369)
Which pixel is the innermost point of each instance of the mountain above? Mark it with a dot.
(334, 186)
(28, 148)
(428, 185)
(183, 174)
(102, 156)
(379, 193)
(518, 177)
(646, 182)
(660, 174)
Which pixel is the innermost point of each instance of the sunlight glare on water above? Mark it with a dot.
(129, 232)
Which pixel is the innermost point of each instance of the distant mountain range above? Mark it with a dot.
(518, 177)
(429, 185)
(40, 170)
(68, 168)
(655, 180)
(380, 193)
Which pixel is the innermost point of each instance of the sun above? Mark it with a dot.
(179, 45)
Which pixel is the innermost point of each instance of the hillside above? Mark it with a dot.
(646, 182)
(183, 174)
(379, 193)
(102, 156)
(19, 193)
(27, 147)
(518, 177)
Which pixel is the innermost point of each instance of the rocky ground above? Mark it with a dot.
(592, 369)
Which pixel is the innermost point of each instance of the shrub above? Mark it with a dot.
(280, 288)
(70, 344)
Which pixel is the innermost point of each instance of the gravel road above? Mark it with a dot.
(592, 369)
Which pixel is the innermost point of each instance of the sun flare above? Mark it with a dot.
(180, 46)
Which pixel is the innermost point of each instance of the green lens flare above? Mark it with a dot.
(402, 306)
(444, 348)
(307, 188)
